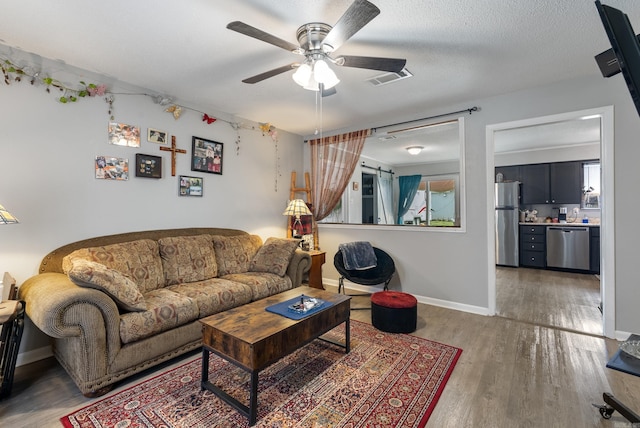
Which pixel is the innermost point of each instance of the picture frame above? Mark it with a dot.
(122, 134)
(148, 166)
(206, 156)
(157, 136)
(110, 168)
(191, 186)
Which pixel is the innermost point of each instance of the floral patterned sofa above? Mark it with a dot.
(119, 304)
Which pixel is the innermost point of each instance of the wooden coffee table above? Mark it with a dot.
(253, 338)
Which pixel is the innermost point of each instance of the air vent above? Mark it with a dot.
(387, 137)
(385, 78)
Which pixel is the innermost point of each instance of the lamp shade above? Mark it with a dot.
(297, 207)
(6, 217)
(323, 74)
(302, 74)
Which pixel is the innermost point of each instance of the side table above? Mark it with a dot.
(12, 321)
(12, 325)
(315, 273)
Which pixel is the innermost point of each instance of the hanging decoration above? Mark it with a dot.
(176, 110)
(268, 129)
(109, 100)
(264, 127)
(208, 119)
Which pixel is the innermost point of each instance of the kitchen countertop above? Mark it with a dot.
(539, 223)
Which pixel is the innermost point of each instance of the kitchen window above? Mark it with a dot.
(590, 185)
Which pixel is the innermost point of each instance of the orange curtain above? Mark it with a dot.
(333, 160)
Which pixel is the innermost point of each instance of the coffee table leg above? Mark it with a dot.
(253, 398)
(347, 336)
(205, 367)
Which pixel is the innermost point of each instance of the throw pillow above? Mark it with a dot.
(187, 259)
(139, 259)
(120, 287)
(274, 256)
(234, 253)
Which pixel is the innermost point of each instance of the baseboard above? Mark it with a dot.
(351, 287)
(621, 336)
(33, 356)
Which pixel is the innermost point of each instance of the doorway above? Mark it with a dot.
(369, 199)
(606, 291)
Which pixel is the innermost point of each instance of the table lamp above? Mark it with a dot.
(296, 207)
(6, 217)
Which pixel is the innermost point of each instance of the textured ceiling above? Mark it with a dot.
(457, 50)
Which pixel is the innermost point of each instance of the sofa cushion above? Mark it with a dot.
(187, 258)
(262, 284)
(119, 286)
(139, 259)
(274, 256)
(234, 253)
(215, 295)
(165, 310)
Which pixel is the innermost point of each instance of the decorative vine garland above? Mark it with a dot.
(14, 73)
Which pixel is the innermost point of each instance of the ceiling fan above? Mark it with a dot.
(316, 41)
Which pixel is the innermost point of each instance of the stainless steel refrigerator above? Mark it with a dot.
(507, 217)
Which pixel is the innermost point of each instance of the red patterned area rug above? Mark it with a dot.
(387, 380)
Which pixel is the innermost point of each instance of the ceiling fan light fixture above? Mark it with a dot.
(312, 84)
(322, 73)
(414, 150)
(303, 74)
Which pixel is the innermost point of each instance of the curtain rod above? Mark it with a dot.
(379, 169)
(470, 110)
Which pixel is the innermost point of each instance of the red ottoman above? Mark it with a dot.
(394, 311)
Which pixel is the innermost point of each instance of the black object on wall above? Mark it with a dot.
(626, 48)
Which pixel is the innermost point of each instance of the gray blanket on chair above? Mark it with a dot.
(358, 255)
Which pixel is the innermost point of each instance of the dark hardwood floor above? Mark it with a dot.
(511, 374)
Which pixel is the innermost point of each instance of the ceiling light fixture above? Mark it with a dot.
(314, 71)
(414, 150)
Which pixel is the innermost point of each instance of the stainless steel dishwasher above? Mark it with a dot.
(568, 247)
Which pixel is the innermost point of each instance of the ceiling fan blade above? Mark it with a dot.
(267, 74)
(373, 63)
(250, 31)
(359, 14)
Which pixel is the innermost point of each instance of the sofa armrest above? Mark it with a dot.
(299, 265)
(62, 310)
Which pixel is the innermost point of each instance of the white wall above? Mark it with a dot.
(47, 151)
(451, 268)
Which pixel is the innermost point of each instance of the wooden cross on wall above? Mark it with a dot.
(173, 149)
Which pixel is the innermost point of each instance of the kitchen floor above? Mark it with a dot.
(549, 298)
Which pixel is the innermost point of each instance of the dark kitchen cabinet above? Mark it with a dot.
(551, 183)
(535, 183)
(509, 173)
(533, 246)
(565, 180)
(594, 249)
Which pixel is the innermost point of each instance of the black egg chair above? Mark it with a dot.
(380, 274)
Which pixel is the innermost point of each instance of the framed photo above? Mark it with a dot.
(148, 166)
(191, 186)
(206, 156)
(122, 134)
(108, 168)
(156, 136)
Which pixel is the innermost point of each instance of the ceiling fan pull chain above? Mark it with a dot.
(316, 131)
